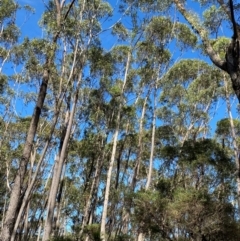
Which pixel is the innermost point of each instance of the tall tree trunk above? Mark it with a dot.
(92, 192)
(18, 188)
(28, 192)
(109, 173)
(58, 169)
(126, 211)
(149, 177)
(25, 227)
(152, 140)
(139, 148)
(59, 202)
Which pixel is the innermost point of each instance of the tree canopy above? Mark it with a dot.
(119, 121)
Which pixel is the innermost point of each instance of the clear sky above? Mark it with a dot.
(29, 27)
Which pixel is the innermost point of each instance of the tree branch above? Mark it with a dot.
(235, 27)
(203, 34)
(225, 8)
(70, 6)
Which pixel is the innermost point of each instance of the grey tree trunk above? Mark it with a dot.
(149, 178)
(58, 169)
(33, 180)
(139, 154)
(18, 188)
(109, 173)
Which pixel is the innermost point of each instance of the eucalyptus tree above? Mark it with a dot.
(195, 205)
(9, 35)
(124, 55)
(94, 147)
(82, 32)
(189, 97)
(45, 71)
(110, 115)
(59, 28)
(159, 35)
(217, 14)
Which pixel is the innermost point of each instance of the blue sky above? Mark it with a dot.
(29, 27)
(29, 22)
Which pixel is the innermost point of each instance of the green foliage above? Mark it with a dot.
(220, 45)
(3, 82)
(213, 17)
(93, 231)
(185, 36)
(120, 31)
(7, 9)
(62, 239)
(162, 30)
(192, 193)
(224, 127)
(123, 237)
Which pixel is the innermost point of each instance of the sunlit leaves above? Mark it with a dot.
(220, 45)
(162, 30)
(3, 82)
(120, 31)
(213, 18)
(224, 127)
(7, 9)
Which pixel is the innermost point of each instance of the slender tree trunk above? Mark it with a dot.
(25, 228)
(39, 231)
(58, 169)
(139, 148)
(18, 187)
(33, 180)
(126, 211)
(235, 146)
(59, 199)
(109, 173)
(92, 197)
(141, 235)
(152, 141)
(89, 200)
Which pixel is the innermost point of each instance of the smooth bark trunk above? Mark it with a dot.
(139, 154)
(109, 173)
(108, 181)
(58, 169)
(89, 200)
(18, 188)
(141, 235)
(28, 192)
(149, 178)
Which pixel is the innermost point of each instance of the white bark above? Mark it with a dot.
(138, 161)
(58, 169)
(109, 173)
(152, 141)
